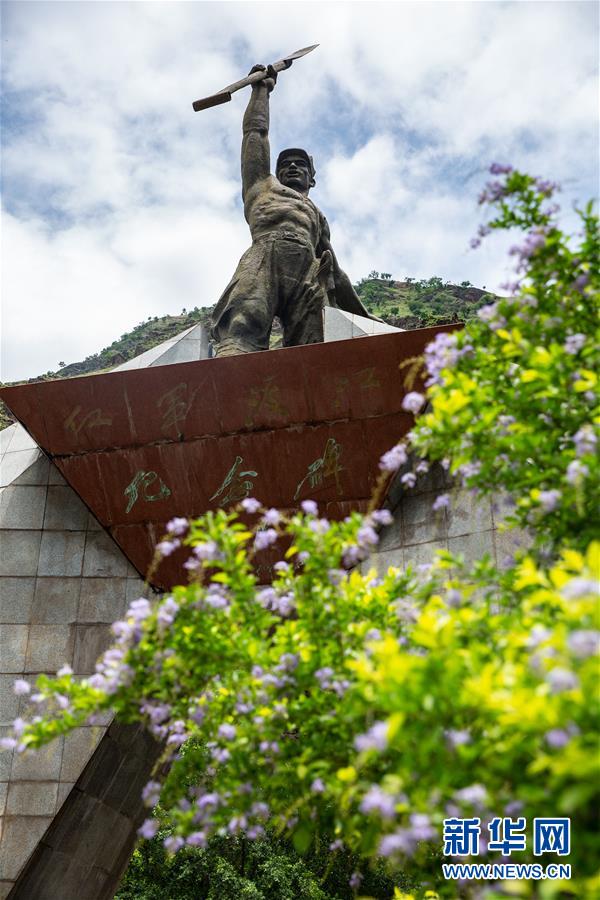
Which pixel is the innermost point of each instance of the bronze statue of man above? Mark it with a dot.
(290, 271)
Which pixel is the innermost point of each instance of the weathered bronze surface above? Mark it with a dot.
(290, 270)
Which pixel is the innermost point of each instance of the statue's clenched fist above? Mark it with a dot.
(271, 78)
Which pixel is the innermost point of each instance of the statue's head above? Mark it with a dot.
(295, 169)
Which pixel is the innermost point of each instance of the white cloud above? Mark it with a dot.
(122, 203)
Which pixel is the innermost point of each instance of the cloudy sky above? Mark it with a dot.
(121, 203)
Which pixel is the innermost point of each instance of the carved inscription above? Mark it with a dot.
(323, 469)
(174, 405)
(237, 484)
(77, 421)
(363, 380)
(265, 398)
(139, 488)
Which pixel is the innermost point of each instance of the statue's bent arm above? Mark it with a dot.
(256, 153)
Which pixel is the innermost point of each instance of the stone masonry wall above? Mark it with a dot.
(62, 582)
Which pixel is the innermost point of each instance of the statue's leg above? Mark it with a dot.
(302, 314)
(246, 309)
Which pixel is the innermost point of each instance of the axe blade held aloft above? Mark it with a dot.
(224, 95)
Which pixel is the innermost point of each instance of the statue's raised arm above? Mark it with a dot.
(256, 152)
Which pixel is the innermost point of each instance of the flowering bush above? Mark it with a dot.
(335, 702)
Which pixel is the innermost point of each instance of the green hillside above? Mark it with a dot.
(405, 304)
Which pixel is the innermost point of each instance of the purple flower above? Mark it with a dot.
(394, 458)
(473, 795)
(413, 402)
(576, 472)
(177, 526)
(264, 539)
(583, 643)
(585, 441)
(226, 731)
(382, 517)
(352, 555)
(456, 738)
(250, 505)
(579, 587)
(393, 844)
(148, 829)
(442, 501)
(64, 670)
(208, 801)
(546, 187)
(409, 479)
(138, 610)
(581, 282)
(549, 500)
(196, 839)
(167, 612)
(574, 343)
(151, 794)
(207, 551)
(21, 687)
(513, 808)
(561, 680)
(318, 786)
(376, 738)
(255, 832)
(453, 598)
(324, 677)
(500, 169)
(420, 827)
(259, 810)
(8, 743)
(319, 526)
(281, 566)
(376, 800)
(355, 881)
(173, 843)
(367, 535)
(165, 548)
(284, 605)
(338, 844)
(271, 517)
(557, 738)
(309, 507)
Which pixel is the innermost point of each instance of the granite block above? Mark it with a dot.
(56, 600)
(467, 514)
(103, 558)
(37, 470)
(16, 599)
(20, 840)
(9, 702)
(32, 798)
(13, 647)
(14, 466)
(22, 506)
(19, 552)
(49, 647)
(473, 546)
(102, 599)
(64, 509)
(38, 765)
(61, 553)
(422, 554)
(6, 756)
(55, 476)
(78, 748)
(90, 642)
